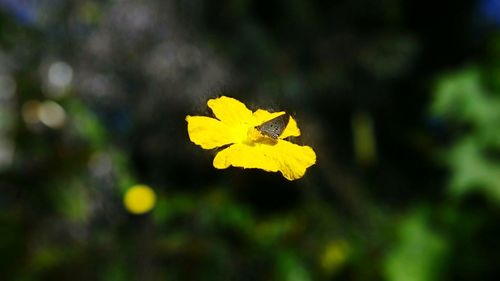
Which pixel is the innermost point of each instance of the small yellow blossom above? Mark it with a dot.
(139, 199)
(235, 125)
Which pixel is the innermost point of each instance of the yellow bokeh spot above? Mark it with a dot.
(139, 199)
(334, 256)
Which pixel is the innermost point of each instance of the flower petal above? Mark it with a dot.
(231, 111)
(209, 132)
(245, 156)
(291, 130)
(290, 159)
(294, 159)
(261, 116)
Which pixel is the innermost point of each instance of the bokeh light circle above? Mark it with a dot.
(139, 199)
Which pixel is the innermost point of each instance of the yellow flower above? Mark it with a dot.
(235, 125)
(139, 199)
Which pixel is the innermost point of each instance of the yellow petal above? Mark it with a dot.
(211, 133)
(290, 159)
(294, 159)
(291, 130)
(231, 111)
(245, 156)
(261, 116)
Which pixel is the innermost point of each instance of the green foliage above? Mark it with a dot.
(291, 268)
(419, 252)
(473, 114)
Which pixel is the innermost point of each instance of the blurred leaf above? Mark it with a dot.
(419, 253)
(472, 170)
(463, 101)
(291, 268)
(47, 257)
(461, 97)
(116, 271)
(72, 201)
(272, 231)
(122, 169)
(86, 124)
(171, 206)
(364, 138)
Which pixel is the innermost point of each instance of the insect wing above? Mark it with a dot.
(274, 127)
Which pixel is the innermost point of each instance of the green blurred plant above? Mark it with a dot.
(472, 112)
(419, 252)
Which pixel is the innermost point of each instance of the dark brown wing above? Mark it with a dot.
(274, 127)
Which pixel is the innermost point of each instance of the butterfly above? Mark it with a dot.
(274, 127)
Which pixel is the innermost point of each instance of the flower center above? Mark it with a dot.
(254, 136)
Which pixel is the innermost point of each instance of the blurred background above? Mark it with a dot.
(399, 99)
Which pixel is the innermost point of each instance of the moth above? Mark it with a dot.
(274, 127)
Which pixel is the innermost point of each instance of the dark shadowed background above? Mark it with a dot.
(399, 99)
